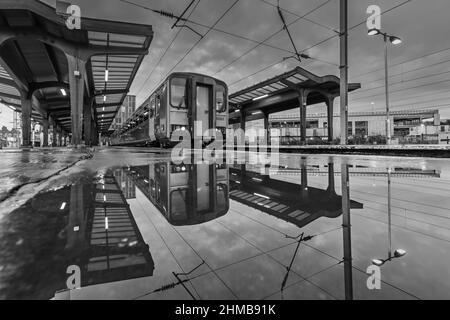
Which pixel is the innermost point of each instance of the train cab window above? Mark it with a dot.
(220, 99)
(178, 92)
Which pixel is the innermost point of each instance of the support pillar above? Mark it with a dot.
(87, 119)
(304, 178)
(330, 112)
(76, 229)
(26, 122)
(77, 72)
(344, 70)
(54, 138)
(94, 134)
(331, 188)
(346, 232)
(266, 129)
(243, 120)
(302, 102)
(60, 132)
(45, 132)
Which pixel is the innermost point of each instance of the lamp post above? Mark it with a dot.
(395, 41)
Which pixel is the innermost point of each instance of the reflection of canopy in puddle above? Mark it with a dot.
(295, 203)
(116, 249)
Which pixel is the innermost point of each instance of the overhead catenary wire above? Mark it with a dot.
(319, 43)
(303, 17)
(404, 89)
(271, 36)
(213, 28)
(402, 62)
(198, 41)
(298, 55)
(407, 72)
(165, 51)
(439, 92)
(231, 33)
(400, 82)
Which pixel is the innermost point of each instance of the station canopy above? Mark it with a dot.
(34, 60)
(281, 85)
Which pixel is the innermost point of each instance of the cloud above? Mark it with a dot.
(423, 25)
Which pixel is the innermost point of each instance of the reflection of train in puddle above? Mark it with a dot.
(185, 194)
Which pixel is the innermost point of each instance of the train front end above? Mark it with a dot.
(198, 104)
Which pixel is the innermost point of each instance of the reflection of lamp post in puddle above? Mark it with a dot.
(398, 253)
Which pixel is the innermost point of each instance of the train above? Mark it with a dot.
(182, 99)
(184, 194)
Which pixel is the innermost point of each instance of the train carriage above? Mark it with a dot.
(180, 102)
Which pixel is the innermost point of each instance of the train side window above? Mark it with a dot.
(220, 99)
(178, 92)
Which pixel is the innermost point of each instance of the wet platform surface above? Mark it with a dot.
(140, 227)
(21, 167)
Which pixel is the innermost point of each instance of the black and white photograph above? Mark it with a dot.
(224, 157)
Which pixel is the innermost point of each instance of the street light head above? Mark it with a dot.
(373, 32)
(377, 262)
(399, 253)
(395, 40)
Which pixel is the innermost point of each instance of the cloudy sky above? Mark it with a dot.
(420, 67)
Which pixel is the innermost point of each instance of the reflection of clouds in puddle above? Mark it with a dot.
(230, 241)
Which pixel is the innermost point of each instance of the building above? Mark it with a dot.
(126, 110)
(408, 126)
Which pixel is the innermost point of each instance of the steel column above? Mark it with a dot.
(26, 122)
(243, 120)
(76, 82)
(330, 117)
(346, 232)
(45, 132)
(302, 99)
(60, 137)
(87, 119)
(266, 129)
(54, 138)
(344, 70)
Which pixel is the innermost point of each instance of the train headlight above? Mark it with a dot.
(178, 168)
